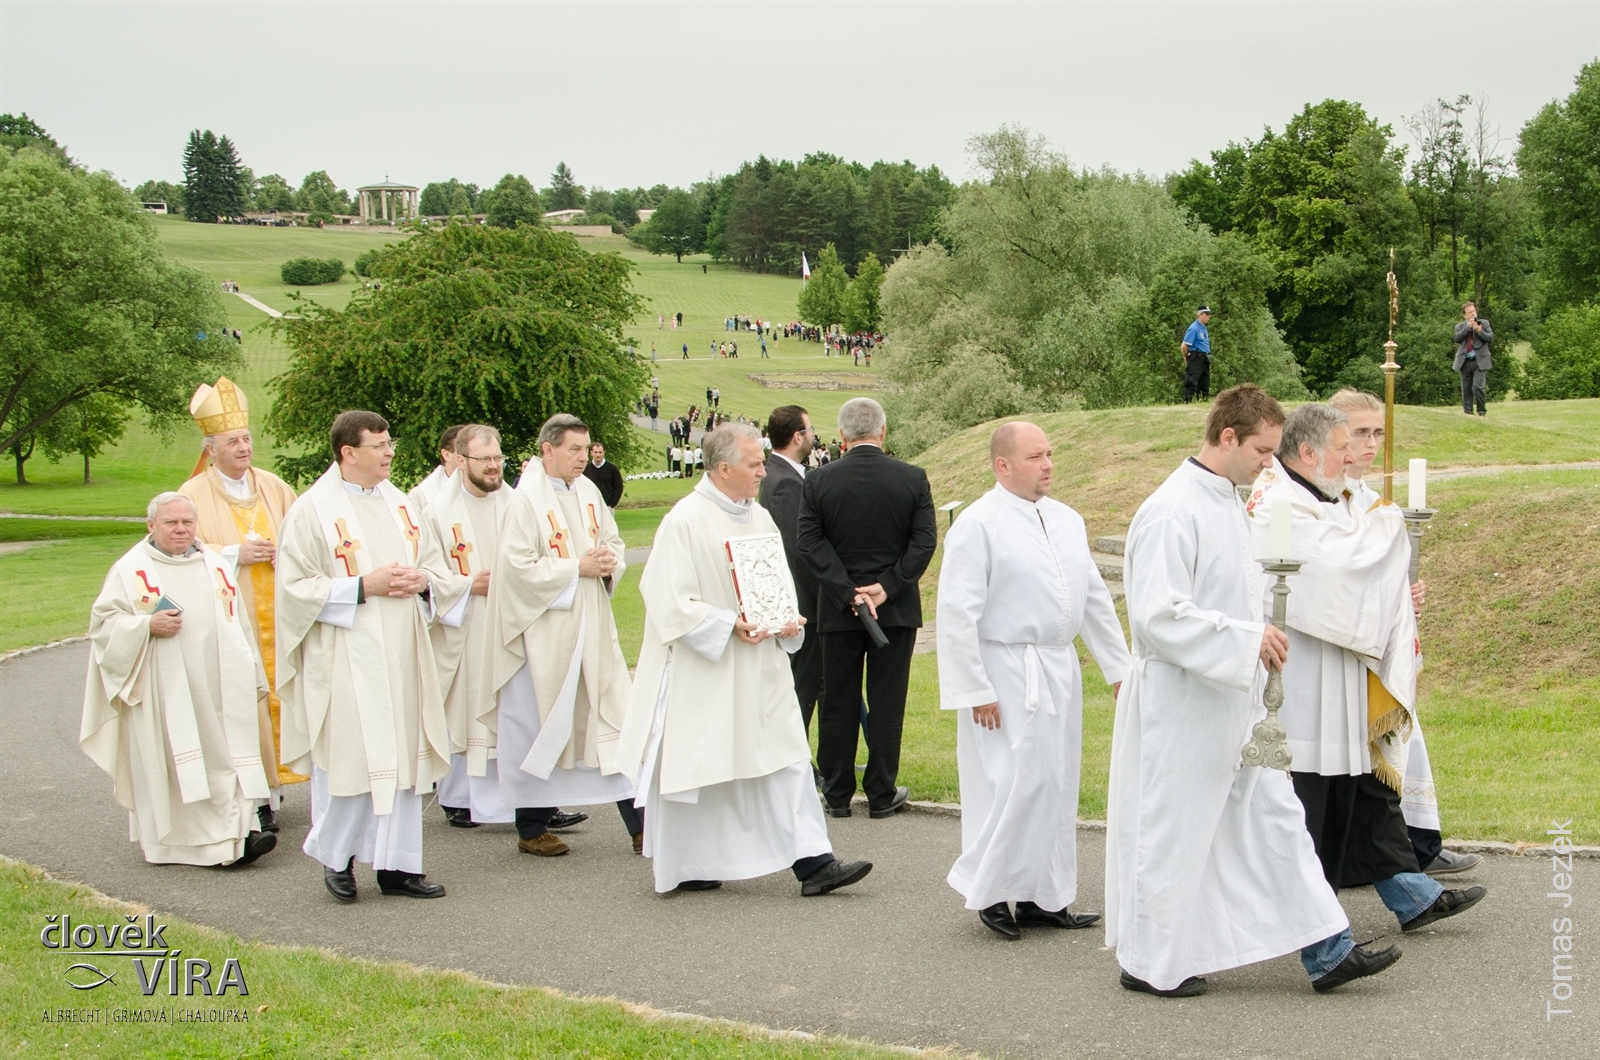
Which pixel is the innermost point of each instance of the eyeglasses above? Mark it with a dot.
(495, 459)
(389, 446)
(1376, 434)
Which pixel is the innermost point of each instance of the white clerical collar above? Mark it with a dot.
(1014, 499)
(739, 510)
(234, 487)
(798, 467)
(558, 484)
(351, 487)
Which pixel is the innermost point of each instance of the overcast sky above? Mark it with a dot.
(642, 93)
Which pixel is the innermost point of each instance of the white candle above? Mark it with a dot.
(1282, 540)
(1419, 484)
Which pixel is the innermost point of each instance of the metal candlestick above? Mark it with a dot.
(1416, 522)
(1269, 743)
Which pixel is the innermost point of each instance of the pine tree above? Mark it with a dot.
(563, 193)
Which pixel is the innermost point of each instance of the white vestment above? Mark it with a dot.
(422, 493)
(1208, 864)
(1017, 586)
(1419, 802)
(1349, 611)
(359, 684)
(173, 720)
(557, 684)
(468, 529)
(713, 732)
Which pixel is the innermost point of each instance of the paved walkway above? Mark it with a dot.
(895, 959)
(264, 307)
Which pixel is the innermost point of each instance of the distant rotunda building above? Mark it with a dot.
(388, 202)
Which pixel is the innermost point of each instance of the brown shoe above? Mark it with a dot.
(638, 843)
(545, 845)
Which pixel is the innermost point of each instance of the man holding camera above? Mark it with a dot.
(1473, 361)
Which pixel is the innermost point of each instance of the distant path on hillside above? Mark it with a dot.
(76, 518)
(271, 312)
(1401, 478)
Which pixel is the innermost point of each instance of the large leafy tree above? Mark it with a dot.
(92, 314)
(862, 311)
(214, 181)
(1560, 160)
(512, 202)
(471, 324)
(18, 131)
(677, 227)
(822, 300)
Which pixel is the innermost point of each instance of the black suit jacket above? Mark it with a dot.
(782, 495)
(867, 518)
(608, 479)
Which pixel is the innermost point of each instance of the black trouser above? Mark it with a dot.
(534, 821)
(888, 671)
(1474, 380)
(805, 666)
(1197, 377)
(1356, 826)
(1427, 844)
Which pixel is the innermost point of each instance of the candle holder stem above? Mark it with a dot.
(1416, 523)
(1269, 742)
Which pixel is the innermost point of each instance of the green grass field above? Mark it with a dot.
(314, 1003)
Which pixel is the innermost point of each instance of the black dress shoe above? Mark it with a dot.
(839, 811)
(414, 887)
(562, 819)
(1193, 986)
(341, 883)
(1030, 915)
(459, 816)
(1360, 962)
(268, 819)
(699, 885)
(896, 804)
(998, 919)
(1447, 904)
(834, 875)
(255, 845)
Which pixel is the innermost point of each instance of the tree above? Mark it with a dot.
(93, 309)
(676, 227)
(861, 300)
(321, 198)
(1565, 362)
(161, 191)
(513, 201)
(273, 193)
(1560, 160)
(471, 324)
(213, 183)
(822, 298)
(18, 131)
(564, 192)
(448, 197)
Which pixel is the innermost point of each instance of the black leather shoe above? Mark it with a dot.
(255, 845)
(268, 819)
(699, 885)
(1030, 915)
(341, 883)
(1360, 962)
(1447, 904)
(1193, 986)
(833, 875)
(562, 819)
(839, 811)
(998, 919)
(415, 887)
(896, 804)
(459, 816)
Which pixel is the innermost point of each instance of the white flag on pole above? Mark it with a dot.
(805, 267)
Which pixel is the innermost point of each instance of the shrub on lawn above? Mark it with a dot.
(305, 272)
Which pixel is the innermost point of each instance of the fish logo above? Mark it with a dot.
(87, 970)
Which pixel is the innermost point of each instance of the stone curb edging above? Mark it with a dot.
(19, 652)
(1460, 846)
(633, 1008)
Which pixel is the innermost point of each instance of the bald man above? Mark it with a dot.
(1018, 585)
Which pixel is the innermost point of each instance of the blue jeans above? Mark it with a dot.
(1409, 894)
(1320, 958)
